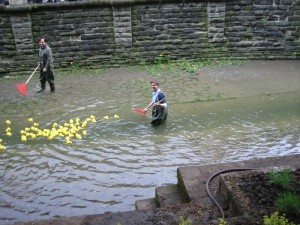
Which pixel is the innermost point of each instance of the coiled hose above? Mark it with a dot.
(213, 176)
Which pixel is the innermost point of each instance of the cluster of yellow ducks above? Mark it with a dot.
(75, 129)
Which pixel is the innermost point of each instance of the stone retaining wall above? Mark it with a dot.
(96, 33)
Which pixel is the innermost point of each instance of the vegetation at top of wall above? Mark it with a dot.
(276, 219)
(288, 201)
(185, 222)
(282, 178)
(222, 221)
(164, 63)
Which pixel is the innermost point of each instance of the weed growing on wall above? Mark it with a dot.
(178, 68)
(288, 202)
(276, 219)
(282, 178)
(185, 222)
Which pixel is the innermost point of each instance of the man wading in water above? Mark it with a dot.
(159, 104)
(46, 66)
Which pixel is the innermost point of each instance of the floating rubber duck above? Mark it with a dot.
(23, 138)
(8, 134)
(1, 140)
(105, 117)
(50, 138)
(7, 122)
(84, 132)
(116, 116)
(30, 120)
(2, 148)
(8, 129)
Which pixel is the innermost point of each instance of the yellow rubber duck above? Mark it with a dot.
(23, 138)
(8, 129)
(116, 116)
(8, 134)
(30, 120)
(8, 122)
(50, 138)
(2, 148)
(105, 117)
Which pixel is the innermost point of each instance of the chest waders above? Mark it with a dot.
(159, 115)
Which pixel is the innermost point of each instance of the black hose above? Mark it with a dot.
(216, 174)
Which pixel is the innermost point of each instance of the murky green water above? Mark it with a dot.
(218, 115)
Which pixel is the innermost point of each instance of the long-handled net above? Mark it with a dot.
(23, 87)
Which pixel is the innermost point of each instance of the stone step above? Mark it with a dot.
(145, 204)
(167, 195)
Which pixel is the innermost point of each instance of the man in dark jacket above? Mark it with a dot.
(46, 66)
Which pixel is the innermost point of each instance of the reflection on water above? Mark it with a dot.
(123, 160)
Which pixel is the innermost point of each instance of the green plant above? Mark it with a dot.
(222, 221)
(249, 32)
(264, 20)
(183, 222)
(276, 219)
(282, 178)
(288, 202)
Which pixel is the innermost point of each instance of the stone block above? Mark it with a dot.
(17, 2)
